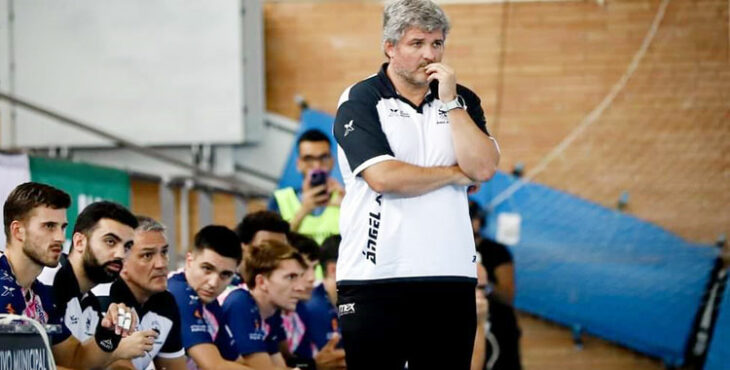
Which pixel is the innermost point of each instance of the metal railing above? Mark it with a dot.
(199, 175)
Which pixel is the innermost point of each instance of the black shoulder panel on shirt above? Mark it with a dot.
(164, 303)
(473, 107)
(368, 91)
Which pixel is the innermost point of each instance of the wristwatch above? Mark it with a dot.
(456, 103)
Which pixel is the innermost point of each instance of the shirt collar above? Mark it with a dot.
(120, 292)
(66, 273)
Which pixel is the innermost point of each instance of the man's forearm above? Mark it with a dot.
(400, 178)
(479, 354)
(70, 353)
(476, 153)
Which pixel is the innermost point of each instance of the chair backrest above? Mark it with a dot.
(22, 345)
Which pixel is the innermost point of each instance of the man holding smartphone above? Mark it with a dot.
(314, 209)
(411, 142)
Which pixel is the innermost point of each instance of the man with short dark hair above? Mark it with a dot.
(209, 267)
(300, 347)
(256, 228)
(411, 142)
(103, 233)
(143, 286)
(314, 208)
(262, 225)
(324, 324)
(35, 221)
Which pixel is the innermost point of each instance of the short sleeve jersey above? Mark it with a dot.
(385, 236)
(323, 321)
(81, 311)
(251, 333)
(200, 323)
(296, 325)
(158, 313)
(36, 303)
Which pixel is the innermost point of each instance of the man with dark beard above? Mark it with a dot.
(103, 233)
(34, 217)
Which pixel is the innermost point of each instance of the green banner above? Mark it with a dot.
(85, 183)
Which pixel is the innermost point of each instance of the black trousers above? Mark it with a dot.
(424, 324)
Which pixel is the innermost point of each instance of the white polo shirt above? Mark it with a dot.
(387, 237)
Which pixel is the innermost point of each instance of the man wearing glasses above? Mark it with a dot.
(314, 208)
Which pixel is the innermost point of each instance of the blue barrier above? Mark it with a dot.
(718, 354)
(611, 274)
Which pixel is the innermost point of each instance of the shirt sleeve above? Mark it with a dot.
(193, 329)
(245, 324)
(56, 313)
(172, 348)
(304, 350)
(319, 323)
(474, 108)
(358, 132)
(276, 333)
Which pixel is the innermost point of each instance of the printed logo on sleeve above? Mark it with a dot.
(349, 127)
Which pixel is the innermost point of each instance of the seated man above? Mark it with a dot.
(314, 208)
(255, 228)
(209, 268)
(35, 222)
(300, 348)
(103, 233)
(143, 286)
(497, 260)
(272, 272)
(322, 309)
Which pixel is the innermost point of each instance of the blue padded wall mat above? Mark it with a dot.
(718, 354)
(310, 119)
(613, 275)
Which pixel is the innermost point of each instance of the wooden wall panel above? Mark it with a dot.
(665, 139)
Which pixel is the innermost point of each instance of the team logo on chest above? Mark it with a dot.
(395, 112)
(443, 118)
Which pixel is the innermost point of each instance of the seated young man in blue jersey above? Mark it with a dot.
(209, 268)
(321, 308)
(273, 273)
(35, 221)
(300, 347)
(143, 286)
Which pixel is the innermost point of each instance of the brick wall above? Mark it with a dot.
(665, 139)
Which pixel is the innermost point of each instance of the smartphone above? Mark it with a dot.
(317, 178)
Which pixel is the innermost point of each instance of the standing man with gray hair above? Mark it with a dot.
(411, 142)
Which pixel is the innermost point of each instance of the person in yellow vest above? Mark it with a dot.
(314, 208)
